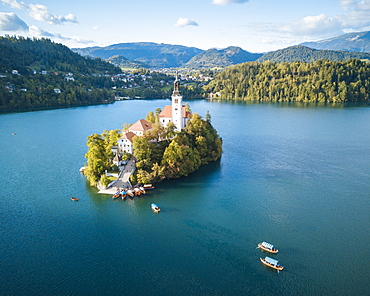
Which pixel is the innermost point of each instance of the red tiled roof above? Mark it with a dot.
(167, 112)
(128, 136)
(141, 125)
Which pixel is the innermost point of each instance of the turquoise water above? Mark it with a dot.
(295, 176)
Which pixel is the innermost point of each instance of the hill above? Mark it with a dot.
(25, 54)
(305, 54)
(319, 81)
(154, 54)
(122, 62)
(38, 73)
(221, 58)
(358, 41)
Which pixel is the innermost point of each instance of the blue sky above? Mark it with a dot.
(254, 25)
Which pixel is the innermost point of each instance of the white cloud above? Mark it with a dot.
(15, 4)
(96, 28)
(183, 21)
(11, 22)
(314, 25)
(36, 31)
(41, 13)
(228, 2)
(356, 17)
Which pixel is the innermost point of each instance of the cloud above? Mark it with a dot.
(11, 22)
(183, 21)
(228, 2)
(36, 31)
(15, 4)
(41, 13)
(356, 16)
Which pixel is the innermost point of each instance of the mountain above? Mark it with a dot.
(359, 41)
(122, 62)
(306, 54)
(221, 58)
(154, 54)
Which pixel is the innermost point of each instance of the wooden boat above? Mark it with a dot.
(116, 195)
(148, 186)
(142, 190)
(137, 191)
(155, 208)
(74, 198)
(272, 263)
(123, 194)
(267, 247)
(130, 193)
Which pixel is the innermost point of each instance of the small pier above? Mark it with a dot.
(123, 180)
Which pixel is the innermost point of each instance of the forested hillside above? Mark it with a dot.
(38, 73)
(320, 81)
(305, 54)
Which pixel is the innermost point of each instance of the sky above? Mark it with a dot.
(254, 25)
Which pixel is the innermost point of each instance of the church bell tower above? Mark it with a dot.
(177, 106)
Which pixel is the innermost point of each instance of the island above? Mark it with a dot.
(169, 143)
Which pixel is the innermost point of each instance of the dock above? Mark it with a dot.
(123, 180)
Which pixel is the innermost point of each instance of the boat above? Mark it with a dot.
(148, 186)
(267, 247)
(130, 193)
(155, 208)
(123, 194)
(272, 263)
(137, 191)
(74, 198)
(142, 190)
(82, 169)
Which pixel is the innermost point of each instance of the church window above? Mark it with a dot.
(176, 101)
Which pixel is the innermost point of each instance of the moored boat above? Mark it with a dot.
(137, 191)
(148, 186)
(142, 190)
(74, 198)
(130, 193)
(272, 263)
(155, 208)
(267, 247)
(123, 194)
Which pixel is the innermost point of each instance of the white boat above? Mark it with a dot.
(155, 208)
(148, 186)
(267, 247)
(272, 263)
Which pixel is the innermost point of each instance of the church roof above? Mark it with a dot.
(167, 112)
(141, 125)
(128, 136)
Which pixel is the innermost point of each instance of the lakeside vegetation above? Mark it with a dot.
(160, 154)
(320, 81)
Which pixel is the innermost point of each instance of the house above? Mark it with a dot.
(57, 90)
(176, 112)
(15, 72)
(125, 142)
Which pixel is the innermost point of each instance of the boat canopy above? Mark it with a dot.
(267, 245)
(271, 261)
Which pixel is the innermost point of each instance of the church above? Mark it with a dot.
(176, 113)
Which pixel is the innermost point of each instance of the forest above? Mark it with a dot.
(28, 88)
(161, 153)
(319, 81)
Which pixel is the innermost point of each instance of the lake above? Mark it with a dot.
(296, 176)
